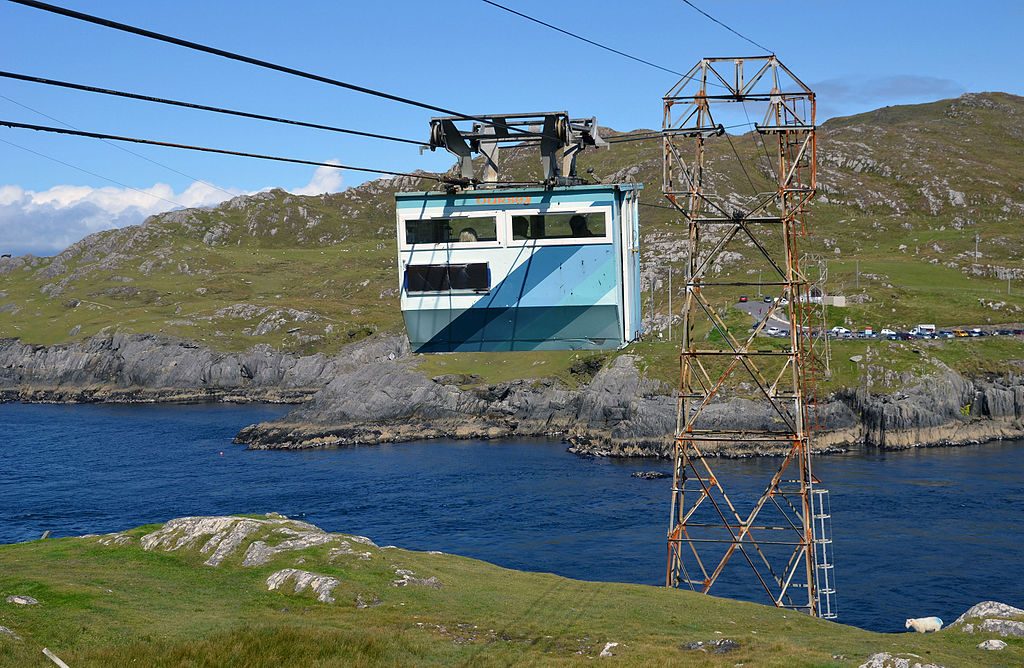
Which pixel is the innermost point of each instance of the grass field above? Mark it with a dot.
(119, 606)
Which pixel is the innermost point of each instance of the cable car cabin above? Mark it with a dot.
(520, 269)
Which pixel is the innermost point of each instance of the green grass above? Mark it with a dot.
(114, 606)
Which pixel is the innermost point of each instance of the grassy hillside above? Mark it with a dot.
(905, 193)
(116, 605)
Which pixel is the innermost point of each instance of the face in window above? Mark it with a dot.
(451, 230)
(558, 226)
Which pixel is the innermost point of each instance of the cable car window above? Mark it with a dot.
(559, 226)
(451, 230)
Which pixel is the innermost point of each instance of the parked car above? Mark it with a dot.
(959, 333)
(743, 299)
(768, 299)
(945, 334)
(772, 331)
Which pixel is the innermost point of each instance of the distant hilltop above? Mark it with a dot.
(905, 192)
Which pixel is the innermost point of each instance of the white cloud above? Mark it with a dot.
(46, 222)
(325, 180)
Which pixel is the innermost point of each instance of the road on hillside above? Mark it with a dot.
(756, 310)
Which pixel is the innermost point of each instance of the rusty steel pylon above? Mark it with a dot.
(783, 533)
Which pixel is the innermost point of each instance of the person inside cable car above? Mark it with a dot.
(578, 225)
(467, 234)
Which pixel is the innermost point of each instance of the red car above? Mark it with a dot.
(743, 298)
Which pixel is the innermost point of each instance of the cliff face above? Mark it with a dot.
(621, 413)
(372, 393)
(146, 367)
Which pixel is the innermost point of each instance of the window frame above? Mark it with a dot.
(453, 245)
(605, 238)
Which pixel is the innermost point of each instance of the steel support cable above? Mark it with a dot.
(91, 173)
(207, 149)
(122, 148)
(735, 32)
(230, 55)
(583, 39)
(203, 107)
(658, 135)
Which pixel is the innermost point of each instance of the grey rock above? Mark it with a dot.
(148, 367)
(260, 553)
(719, 646)
(621, 413)
(370, 602)
(987, 609)
(407, 578)
(21, 600)
(887, 660)
(345, 549)
(322, 585)
(1003, 628)
(4, 631)
(114, 539)
(650, 475)
(992, 644)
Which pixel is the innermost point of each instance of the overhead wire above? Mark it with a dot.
(123, 148)
(203, 107)
(582, 39)
(730, 29)
(220, 151)
(91, 173)
(231, 55)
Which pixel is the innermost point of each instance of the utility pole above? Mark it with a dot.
(976, 256)
(784, 536)
(858, 274)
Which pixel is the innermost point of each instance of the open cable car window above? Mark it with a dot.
(592, 224)
(457, 229)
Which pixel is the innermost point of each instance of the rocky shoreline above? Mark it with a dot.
(373, 393)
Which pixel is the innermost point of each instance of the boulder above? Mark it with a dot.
(987, 609)
(22, 600)
(992, 645)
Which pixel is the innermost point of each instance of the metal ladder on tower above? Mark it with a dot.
(824, 573)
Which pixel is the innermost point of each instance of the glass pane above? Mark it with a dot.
(559, 226)
(451, 230)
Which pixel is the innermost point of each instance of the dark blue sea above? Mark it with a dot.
(924, 532)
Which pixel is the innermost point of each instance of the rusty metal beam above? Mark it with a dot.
(784, 567)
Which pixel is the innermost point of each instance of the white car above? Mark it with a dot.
(886, 332)
(838, 331)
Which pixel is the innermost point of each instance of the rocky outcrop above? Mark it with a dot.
(258, 539)
(992, 618)
(622, 413)
(373, 393)
(132, 368)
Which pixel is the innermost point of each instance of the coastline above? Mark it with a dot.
(372, 393)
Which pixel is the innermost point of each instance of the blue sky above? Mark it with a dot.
(462, 54)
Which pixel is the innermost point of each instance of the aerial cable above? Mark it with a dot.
(221, 151)
(230, 55)
(709, 16)
(122, 148)
(202, 107)
(91, 173)
(582, 39)
(658, 135)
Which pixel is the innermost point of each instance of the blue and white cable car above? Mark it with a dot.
(526, 268)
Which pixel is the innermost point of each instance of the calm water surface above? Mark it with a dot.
(917, 533)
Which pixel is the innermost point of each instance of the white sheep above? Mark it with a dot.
(925, 624)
